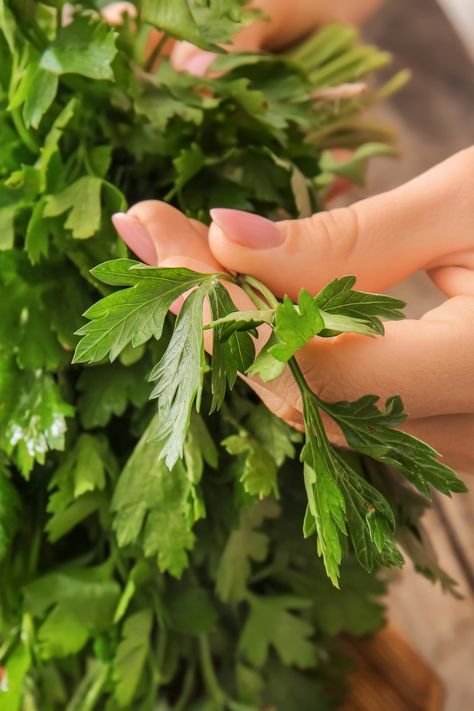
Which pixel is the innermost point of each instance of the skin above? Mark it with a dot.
(426, 224)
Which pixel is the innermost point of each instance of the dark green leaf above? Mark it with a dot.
(86, 47)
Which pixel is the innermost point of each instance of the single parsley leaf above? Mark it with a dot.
(339, 298)
(294, 327)
(259, 471)
(179, 376)
(82, 472)
(131, 655)
(82, 200)
(272, 623)
(276, 436)
(342, 503)
(76, 604)
(133, 315)
(244, 545)
(151, 507)
(86, 47)
(370, 430)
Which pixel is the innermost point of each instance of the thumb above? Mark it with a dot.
(427, 223)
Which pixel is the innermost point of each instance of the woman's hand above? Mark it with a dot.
(285, 21)
(427, 224)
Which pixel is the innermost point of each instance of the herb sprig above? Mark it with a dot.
(341, 503)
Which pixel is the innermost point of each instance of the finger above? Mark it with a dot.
(156, 231)
(115, 11)
(428, 362)
(423, 224)
(450, 435)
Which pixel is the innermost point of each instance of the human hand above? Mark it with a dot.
(427, 223)
(284, 22)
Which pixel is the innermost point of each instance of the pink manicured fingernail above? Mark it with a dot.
(199, 63)
(135, 236)
(247, 229)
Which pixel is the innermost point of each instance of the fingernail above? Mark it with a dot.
(199, 63)
(247, 229)
(135, 236)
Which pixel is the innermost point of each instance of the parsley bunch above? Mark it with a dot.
(152, 558)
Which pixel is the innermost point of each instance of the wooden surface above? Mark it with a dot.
(435, 118)
(390, 676)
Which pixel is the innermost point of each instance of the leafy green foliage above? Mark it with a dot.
(127, 582)
(131, 655)
(151, 507)
(271, 623)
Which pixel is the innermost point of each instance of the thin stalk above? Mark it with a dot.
(25, 136)
(209, 673)
(155, 55)
(187, 688)
(264, 290)
(259, 303)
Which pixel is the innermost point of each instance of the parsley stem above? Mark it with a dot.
(252, 294)
(187, 687)
(264, 290)
(25, 136)
(154, 56)
(208, 671)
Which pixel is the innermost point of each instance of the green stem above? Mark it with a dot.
(25, 136)
(208, 672)
(264, 290)
(187, 688)
(154, 56)
(259, 303)
(305, 390)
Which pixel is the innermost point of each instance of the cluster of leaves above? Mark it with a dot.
(125, 584)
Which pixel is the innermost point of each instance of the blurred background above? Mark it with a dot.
(434, 116)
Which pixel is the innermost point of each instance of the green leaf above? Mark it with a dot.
(151, 506)
(17, 667)
(272, 623)
(82, 471)
(244, 545)
(86, 47)
(179, 377)
(188, 164)
(202, 23)
(33, 416)
(340, 502)
(76, 603)
(276, 436)
(134, 315)
(82, 200)
(370, 430)
(7, 231)
(355, 167)
(229, 356)
(107, 390)
(259, 474)
(339, 298)
(266, 366)
(130, 659)
(42, 87)
(295, 327)
(175, 18)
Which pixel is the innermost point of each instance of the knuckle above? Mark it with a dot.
(340, 231)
